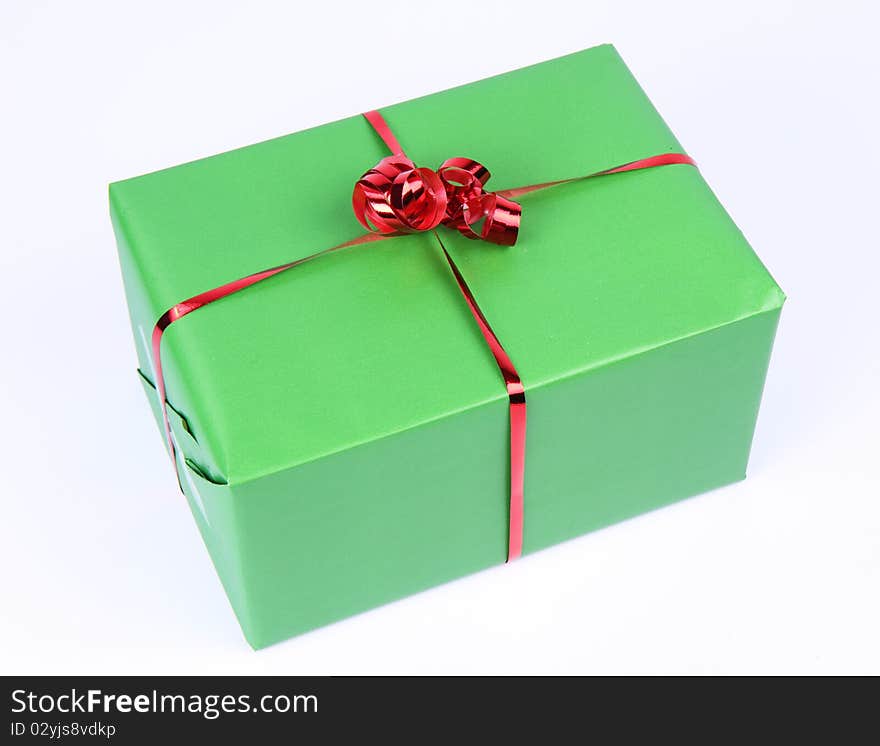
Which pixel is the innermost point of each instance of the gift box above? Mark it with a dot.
(341, 430)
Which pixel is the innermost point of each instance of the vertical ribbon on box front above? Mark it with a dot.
(515, 390)
(517, 407)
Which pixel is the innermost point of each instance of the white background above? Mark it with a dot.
(101, 565)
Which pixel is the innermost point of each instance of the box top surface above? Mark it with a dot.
(371, 341)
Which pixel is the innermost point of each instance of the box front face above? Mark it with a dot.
(373, 524)
(376, 523)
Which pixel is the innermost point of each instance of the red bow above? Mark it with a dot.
(395, 197)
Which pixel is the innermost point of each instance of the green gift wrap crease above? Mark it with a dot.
(343, 427)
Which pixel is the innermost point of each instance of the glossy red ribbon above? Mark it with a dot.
(396, 197)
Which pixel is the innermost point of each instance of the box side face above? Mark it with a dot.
(213, 507)
(367, 343)
(366, 526)
(646, 431)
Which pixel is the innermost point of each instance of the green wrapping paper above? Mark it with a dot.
(343, 426)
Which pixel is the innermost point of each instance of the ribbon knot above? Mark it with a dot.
(397, 197)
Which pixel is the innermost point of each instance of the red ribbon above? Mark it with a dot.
(395, 198)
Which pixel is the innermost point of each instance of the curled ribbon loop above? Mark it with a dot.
(495, 218)
(396, 197)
